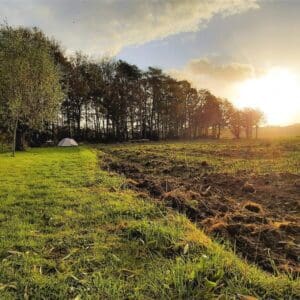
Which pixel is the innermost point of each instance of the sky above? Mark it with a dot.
(247, 51)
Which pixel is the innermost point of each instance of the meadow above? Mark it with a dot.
(73, 227)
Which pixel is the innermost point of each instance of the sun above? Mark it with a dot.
(276, 93)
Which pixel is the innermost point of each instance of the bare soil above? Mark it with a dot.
(258, 214)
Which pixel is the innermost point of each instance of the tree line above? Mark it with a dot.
(46, 95)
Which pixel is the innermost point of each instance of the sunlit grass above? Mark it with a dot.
(225, 156)
(68, 230)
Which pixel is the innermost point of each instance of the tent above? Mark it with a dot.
(67, 142)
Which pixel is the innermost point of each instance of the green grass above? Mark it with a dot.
(68, 231)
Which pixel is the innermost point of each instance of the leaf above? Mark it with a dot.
(186, 249)
(75, 278)
(116, 258)
(246, 297)
(210, 284)
(192, 275)
(70, 254)
(7, 286)
(15, 253)
(67, 256)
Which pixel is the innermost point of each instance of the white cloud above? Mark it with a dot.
(98, 27)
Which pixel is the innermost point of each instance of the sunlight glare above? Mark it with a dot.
(276, 93)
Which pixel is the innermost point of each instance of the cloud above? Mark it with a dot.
(228, 72)
(220, 78)
(98, 27)
(209, 73)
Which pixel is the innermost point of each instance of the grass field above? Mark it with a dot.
(259, 156)
(70, 230)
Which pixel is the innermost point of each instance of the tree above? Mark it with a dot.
(96, 94)
(210, 114)
(258, 118)
(227, 110)
(78, 93)
(30, 90)
(251, 118)
(235, 123)
(113, 99)
(247, 121)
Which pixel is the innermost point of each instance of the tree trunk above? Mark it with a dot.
(21, 139)
(86, 121)
(219, 131)
(78, 125)
(238, 133)
(131, 125)
(14, 138)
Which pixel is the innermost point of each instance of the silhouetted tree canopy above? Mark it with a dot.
(110, 100)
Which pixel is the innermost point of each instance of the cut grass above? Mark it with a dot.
(68, 230)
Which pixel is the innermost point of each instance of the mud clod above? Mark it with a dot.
(183, 202)
(204, 163)
(297, 183)
(290, 228)
(254, 207)
(112, 189)
(219, 228)
(129, 184)
(151, 186)
(248, 188)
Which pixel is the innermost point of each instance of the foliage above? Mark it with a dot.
(30, 90)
